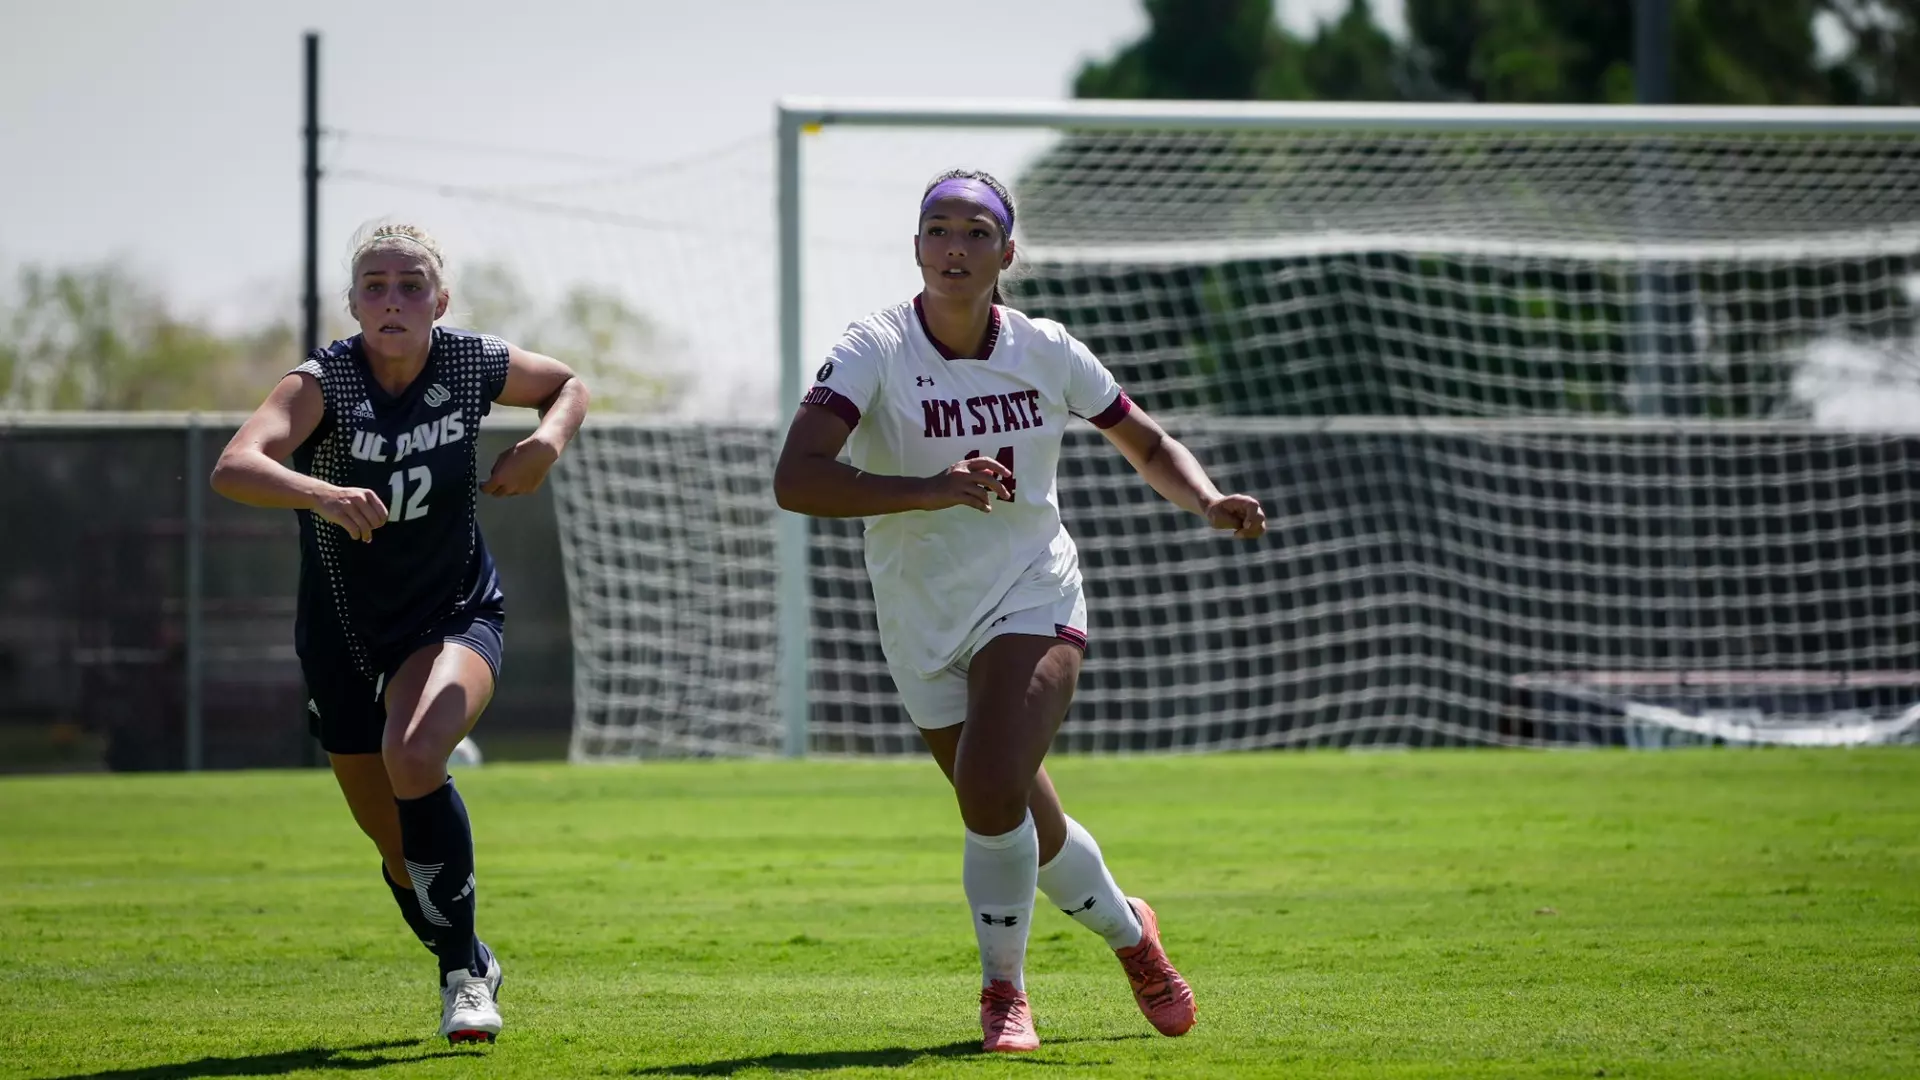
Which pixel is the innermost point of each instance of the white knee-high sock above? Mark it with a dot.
(999, 873)
(1078, 883)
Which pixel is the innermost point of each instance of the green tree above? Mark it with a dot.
(1352, 59)
(1208, 49)
(1522, 50)
(619, 351)
(1236, 50)
(1725, 52)
(1882, 64)
(95, 337)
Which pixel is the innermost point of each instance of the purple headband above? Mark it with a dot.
(973, 191)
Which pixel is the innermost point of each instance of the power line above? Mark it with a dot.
(616, 218)
(505, 198)
(628, 169)
(483, 149)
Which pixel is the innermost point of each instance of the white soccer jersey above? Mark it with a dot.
(915, 410)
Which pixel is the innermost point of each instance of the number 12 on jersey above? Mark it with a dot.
(1004, 456)
(401, 508)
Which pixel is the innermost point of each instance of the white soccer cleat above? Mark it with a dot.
(494, 976)
(467, 1011)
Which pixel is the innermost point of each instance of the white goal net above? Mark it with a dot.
(1540, 401)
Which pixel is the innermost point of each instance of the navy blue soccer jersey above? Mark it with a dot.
(416, 451)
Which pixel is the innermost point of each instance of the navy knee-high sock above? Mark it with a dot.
(438, 844)
(409, 909)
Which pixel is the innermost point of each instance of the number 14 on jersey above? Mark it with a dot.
(1004, 456)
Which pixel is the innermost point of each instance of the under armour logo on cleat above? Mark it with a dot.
(1009, 920)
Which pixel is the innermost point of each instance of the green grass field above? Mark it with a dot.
(1428, 914)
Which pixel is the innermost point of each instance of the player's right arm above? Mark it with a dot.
(250, 471)
(810, 479)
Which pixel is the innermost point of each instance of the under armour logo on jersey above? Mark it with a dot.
(923, 380)
(364, 409)
(436, 396)
(1008, 920)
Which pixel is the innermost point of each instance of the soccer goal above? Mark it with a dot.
(1552, 408)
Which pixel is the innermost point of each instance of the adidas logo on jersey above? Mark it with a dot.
(437, 396)
(364, 410)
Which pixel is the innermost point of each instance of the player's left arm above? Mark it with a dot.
(537, 382)
(1171, 469)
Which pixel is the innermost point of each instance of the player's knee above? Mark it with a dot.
(414, 763)
(990, 808)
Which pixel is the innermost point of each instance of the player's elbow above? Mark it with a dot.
(230, 474)
(225, 475)
(788, 488)
(798, 484)
(572, 389)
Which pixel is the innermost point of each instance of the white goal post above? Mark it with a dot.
(1531, 389)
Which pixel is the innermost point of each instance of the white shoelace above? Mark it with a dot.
(471, 996)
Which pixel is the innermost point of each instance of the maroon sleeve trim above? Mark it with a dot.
(837, 404)
(1113, 413)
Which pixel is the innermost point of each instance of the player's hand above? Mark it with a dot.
(975, 482)
(521, 468)
(1240, 513)
(356, 510)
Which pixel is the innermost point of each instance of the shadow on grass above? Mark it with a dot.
(275, 1064)
(892, 1057)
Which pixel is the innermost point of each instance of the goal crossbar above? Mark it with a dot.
(1090, 115)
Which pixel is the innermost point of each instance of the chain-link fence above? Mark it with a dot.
(147, 623)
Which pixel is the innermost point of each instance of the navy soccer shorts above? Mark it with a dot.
(346, 707)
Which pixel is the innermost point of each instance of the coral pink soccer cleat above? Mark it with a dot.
(1164, 997)
(1005, 1020)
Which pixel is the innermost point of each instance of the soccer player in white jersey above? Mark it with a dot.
(401, 614)
(951, 408)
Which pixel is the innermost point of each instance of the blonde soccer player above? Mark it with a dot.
(401, 615)
(951, 407)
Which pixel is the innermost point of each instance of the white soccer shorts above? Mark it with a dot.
(940, 700)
